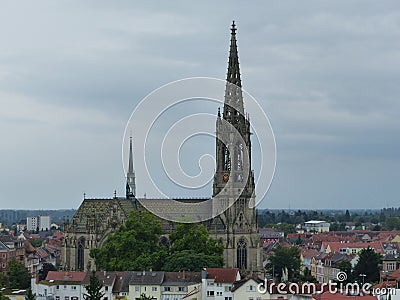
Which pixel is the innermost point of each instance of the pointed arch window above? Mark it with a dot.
(242, 254)
(81, 254)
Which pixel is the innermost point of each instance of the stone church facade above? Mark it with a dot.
(233, 192)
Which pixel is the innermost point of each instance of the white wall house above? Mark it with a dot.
(317, 226)
(217, 283)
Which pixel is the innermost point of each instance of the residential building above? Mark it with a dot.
(179, 285)
(217, 283)
(247, 289)
(316, 226)
(146, 282)
(60, 286)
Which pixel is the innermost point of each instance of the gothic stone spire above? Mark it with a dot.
(230, 154)
(233, 92)
(130, 176)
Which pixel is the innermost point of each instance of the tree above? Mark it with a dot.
(368, 265)
(286, 228)
(192, 249)
(2, 297)
(282, 258)
(29, 295)
(144, 297)
(93, 289)
(190, 260)
(307, 277)
(134, 246)
(18, 276)
(345, 266)
(3, 280)
(45, 270)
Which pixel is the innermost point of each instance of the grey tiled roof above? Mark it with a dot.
(3, 247)
(181, 278)
(146, 278)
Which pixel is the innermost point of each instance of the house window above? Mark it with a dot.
(219, 284)
(219, 293)
(228, 298)
(66, 298)
(137, 288)
(210, 283)
(167, 289)
(154, 289)
(242, 254)
(228, 288)
(57, 287)
(73, 287)
(210, 293)
(57, 297)
(181, 289)
(106, 288)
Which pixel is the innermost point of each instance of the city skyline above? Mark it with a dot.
(326, 77)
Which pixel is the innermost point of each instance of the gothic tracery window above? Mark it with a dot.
(81, 254)
(242, 254)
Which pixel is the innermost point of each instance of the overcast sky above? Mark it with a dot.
(326, 73)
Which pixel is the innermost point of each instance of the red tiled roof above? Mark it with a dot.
(395, 275)
(386, 284)
(66, 276)
(336, 246)
(222, 275)
(309, 253)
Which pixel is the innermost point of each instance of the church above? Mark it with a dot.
(233, 194)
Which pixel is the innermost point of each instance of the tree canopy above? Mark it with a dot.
(368, 265)
(93, 289)
(30, 295)
(18, 276)
(283, 258)
(136, 246)
(192, 249)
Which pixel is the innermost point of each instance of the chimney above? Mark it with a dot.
(204, 273)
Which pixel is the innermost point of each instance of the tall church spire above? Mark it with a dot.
(233, 92)
(233, 65)
(234, 179)
(231, 155)
(130, 176)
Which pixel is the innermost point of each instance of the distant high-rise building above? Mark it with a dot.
(41, 223)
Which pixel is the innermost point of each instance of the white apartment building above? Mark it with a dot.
(42, 223)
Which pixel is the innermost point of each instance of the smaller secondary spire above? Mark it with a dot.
(130, 176)
(130, 164)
